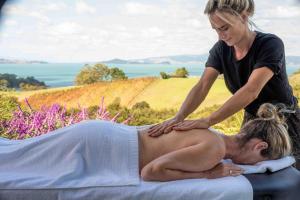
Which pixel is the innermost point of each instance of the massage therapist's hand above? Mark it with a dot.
(192, 124)
(163, 128)
(224, 169)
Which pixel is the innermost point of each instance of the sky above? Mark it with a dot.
(97, 30)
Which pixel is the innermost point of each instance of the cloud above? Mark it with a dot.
(135, 8)
(83, 7)
(9, 22)
(129, 28)
(40, 16)
(14, 10)
(153, 32)
(65, 28)
(281, 11)
(57, 6)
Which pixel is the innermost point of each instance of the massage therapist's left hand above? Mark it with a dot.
(192, 124)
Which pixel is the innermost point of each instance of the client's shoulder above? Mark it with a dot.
(213, 141)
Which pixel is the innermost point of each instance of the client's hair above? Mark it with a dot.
(270, 127)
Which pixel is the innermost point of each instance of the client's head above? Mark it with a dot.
(264, 138)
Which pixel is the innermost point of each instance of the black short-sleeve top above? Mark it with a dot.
(267, 50)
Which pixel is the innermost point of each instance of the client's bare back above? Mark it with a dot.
(154, 147)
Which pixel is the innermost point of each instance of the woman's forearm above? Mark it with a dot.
(192, 101)
(198, 93)
(238, 101)
(171, 175)
(244, 96)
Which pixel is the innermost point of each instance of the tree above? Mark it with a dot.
(98, 72)
(12, 81)
(181, 72)
(117, 74)
(164, 75)
(86, 76)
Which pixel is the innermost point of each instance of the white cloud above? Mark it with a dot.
(65, 28)
(280, 12)
(57, 6)
(135, 8)
(130, 28)
(39, 16)
(9, 22)
(153, 32)
(14, 10)
(83, 7)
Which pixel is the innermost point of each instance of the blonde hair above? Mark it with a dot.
(233, 7)
(270, 127)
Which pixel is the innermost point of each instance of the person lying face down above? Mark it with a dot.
(198, 152)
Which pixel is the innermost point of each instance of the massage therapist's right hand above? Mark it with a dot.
(163, 128)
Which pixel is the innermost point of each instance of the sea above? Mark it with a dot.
(63, 74)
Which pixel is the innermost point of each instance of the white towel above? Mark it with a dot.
(90, 153)
(269, 165)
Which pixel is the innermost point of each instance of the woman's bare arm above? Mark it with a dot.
(185, 163)
(244, 96)
(195, 97)
(198, 93)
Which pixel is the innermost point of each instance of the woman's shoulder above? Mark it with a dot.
(268, 38)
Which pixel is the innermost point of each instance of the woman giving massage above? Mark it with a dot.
(254, 70)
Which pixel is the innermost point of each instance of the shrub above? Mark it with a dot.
(141, 105)
(30, 123)
(164, 75)
(28, 87)
(117, 74)
(181, 72)
(11, 81)
(8, 104)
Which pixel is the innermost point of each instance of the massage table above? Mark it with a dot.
(280, 185)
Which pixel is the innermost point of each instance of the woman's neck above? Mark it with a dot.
(231, 145)
(243, 46)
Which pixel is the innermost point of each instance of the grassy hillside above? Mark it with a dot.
(159, 93)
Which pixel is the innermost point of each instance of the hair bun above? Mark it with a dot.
(268, 111)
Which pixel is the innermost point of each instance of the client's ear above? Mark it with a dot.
(261, 146)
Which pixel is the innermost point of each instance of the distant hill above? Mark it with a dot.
(184, 59)
(179, 59)
(16, 61)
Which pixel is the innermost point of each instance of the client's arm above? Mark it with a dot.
(189, 162)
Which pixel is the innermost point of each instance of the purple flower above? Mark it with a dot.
(37, 122)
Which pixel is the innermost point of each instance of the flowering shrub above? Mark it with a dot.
(24, 124)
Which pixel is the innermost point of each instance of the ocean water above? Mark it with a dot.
(63, 74)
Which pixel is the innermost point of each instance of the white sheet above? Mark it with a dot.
(90, 153)
(227, 188)
(75, 177)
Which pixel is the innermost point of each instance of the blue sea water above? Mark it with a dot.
(63, 74)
